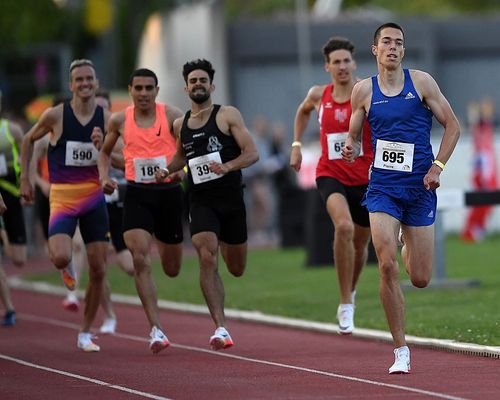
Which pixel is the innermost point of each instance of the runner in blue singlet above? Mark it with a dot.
(399, 105)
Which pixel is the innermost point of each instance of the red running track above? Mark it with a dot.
(39, 360)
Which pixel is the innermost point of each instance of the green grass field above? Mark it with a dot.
(277, 282)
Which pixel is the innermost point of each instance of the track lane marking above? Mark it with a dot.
(64, 324)
(83, 378)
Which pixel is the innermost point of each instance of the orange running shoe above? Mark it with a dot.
(69, 277)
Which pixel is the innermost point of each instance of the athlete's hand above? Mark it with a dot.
(431, 179)
(296, 158)
(217, 168)
(161, 174)
(26, 191)
(108, 185)
(97, 137)
(351, 150)
(177, 176)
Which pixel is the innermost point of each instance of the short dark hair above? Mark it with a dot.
(337, 43)
(202, 64)
(144, 72)
(376, 36)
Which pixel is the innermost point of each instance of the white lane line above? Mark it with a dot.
(83, 378)
(257, 361)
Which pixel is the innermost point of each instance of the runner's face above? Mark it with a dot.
(143, 92)
(198, 86)
(390, 48)
(83, 81)
(340, 66)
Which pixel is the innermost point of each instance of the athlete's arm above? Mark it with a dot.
(440, 107)
(39, 151)
(360, 93)
(178, 161)
(3, 207)
(115, 124)
(47, 123)
(173, 113)
(302, 117)
(229, 120)
(17, 133)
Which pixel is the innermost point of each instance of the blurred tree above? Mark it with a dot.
(24, 22)
(428, 7)
(238, 8)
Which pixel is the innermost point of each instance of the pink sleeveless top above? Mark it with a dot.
(142, 145)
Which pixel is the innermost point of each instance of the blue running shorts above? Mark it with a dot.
(411, 206)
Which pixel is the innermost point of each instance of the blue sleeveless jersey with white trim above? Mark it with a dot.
(406, 120)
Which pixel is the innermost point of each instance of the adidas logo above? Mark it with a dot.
(431, 214)
(409, 96)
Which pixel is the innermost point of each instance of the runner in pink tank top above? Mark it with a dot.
(152, 211)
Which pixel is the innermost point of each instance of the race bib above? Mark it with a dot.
(199, 168)
(336, 142)
(80, 154)
(394, 156)
(3, 165)
(145, 168)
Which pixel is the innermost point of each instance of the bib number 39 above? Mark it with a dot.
(200, 171)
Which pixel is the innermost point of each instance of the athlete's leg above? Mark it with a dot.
(361, 239)
(206, 245)
(125, 261)
(171, 257)
(5, 297)
(60, 250)
(79, 257)
(16, 252)
(106, 303)
(418, 253)
(384, 230)
(343, 246)
(139, 243)
(96, 254)
(235, 257)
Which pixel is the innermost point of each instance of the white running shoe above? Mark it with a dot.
(108, 326)
(85, 342)
(402, 361)
(345, 316)
(70, 302)
(220, 339)
(158, 341)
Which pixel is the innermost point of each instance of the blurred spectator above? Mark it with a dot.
(484, 175)
(257, 180)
